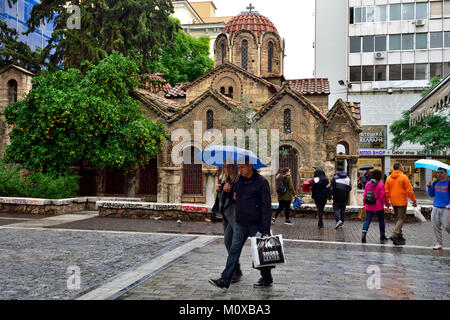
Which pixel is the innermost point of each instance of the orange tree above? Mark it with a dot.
(69, 116)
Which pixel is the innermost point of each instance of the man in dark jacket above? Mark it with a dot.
(340, 190)
(253, 213)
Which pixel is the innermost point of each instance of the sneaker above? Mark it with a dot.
(437, 247)
(338, 224)
(363, 237)
(219, 283)
(237, 276)
(289, 222)
(273, 220)
(262, 283)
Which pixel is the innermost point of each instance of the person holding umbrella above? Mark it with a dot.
(226, 206)
(440, 190)
(253, 214)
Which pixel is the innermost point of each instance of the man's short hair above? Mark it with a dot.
(442, 169)
(397, 165)
(340, 168)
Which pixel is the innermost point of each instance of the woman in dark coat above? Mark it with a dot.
(226, 206)
(320, 193)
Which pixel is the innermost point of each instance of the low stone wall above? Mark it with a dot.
(51, 207)
(136, 208)
(200, 212)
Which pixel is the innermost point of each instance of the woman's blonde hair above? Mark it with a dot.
(224, 177)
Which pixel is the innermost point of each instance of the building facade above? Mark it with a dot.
(198, 18)
(16, 18)
(393, 48)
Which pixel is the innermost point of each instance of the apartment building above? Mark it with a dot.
(392, 48)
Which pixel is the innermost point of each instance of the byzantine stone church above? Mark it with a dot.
(248, 64)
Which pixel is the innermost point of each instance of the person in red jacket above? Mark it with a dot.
(398, 188)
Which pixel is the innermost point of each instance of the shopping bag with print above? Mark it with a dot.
(267, 251)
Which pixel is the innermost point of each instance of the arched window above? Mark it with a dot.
(222, 90)
(209, 119)
(223, 53)
(12, 91)
(270, 56)
(245, 54)
(192, 174)
(230, 92)
(287, 121)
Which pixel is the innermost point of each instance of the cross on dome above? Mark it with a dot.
(250, 8)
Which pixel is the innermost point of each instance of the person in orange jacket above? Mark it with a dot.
(398, 188)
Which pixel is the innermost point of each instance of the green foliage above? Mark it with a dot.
(432, 84)
(16, 52)
(14, 183)
(432, 133)
(184, 60)
(69, 116)
(137, 29)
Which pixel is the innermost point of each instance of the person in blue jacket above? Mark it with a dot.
(440, 190)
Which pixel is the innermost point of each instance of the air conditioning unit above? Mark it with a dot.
(380, 55)
(420, 23)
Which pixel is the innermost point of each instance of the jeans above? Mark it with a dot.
(240, 235)
(339, 211)
(228, 236)
(369, 216)
(286, 205)
(320, 204)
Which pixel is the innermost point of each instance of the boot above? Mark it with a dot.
(363, 238)
(383, 237)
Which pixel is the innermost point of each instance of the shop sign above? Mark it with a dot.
(386, 152)
(373, 137)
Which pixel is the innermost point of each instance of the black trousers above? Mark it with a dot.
(286, 205)
(320, 204)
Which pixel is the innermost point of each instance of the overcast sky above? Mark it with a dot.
(294, 20)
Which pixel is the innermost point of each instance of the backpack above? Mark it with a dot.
(370, 196)
(281, 188)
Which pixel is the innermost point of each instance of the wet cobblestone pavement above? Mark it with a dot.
(311, 272)
(321, 264)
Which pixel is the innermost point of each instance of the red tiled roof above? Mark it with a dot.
(310, 86)
(177, 91)
(355, 109)
(249, 21)
(155, 84)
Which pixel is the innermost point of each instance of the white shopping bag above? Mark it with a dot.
(419, 216)
(267, 251)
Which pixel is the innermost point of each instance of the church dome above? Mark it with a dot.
(249, 21)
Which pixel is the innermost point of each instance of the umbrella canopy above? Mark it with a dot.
(431, 164)
(216, 155)
(366, 167)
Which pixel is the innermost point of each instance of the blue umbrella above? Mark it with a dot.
(431, 164)
(216, 155)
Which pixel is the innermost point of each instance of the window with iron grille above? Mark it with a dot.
(192, 176)
(287, 121)
(270, 57)
(209, 120)
(245, 54)
(148, 178)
